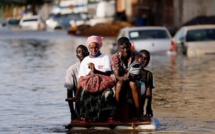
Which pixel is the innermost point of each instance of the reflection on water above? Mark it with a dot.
(185, 94)
(32, 95)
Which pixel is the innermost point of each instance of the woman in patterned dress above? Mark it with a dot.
(97, 98)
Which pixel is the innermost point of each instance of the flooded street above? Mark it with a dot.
(33, 67)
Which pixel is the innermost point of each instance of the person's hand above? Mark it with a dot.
(125, 77)
(149, 112)
(133, 76)
(91, 66)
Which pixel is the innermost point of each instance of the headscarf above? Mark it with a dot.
(96, 39)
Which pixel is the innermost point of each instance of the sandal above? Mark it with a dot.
(83, 120)
(110, 120)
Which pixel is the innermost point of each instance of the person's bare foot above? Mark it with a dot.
(69, 126)
(83, 120)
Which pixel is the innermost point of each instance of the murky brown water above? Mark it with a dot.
(33, 66)
(184, 94)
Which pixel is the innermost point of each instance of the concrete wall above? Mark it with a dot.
(185, 10)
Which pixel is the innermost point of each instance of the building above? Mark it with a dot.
(169, 13)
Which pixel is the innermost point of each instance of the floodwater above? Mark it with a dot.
(33, 66)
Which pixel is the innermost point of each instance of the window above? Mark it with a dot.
(148, 34)
(180, 34)
(29, 20)
(200, 35)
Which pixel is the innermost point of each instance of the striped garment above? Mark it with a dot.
(97, 106)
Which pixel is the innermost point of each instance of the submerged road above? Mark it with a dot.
(33, 66)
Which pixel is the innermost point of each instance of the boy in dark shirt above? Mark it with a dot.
(147, 80)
